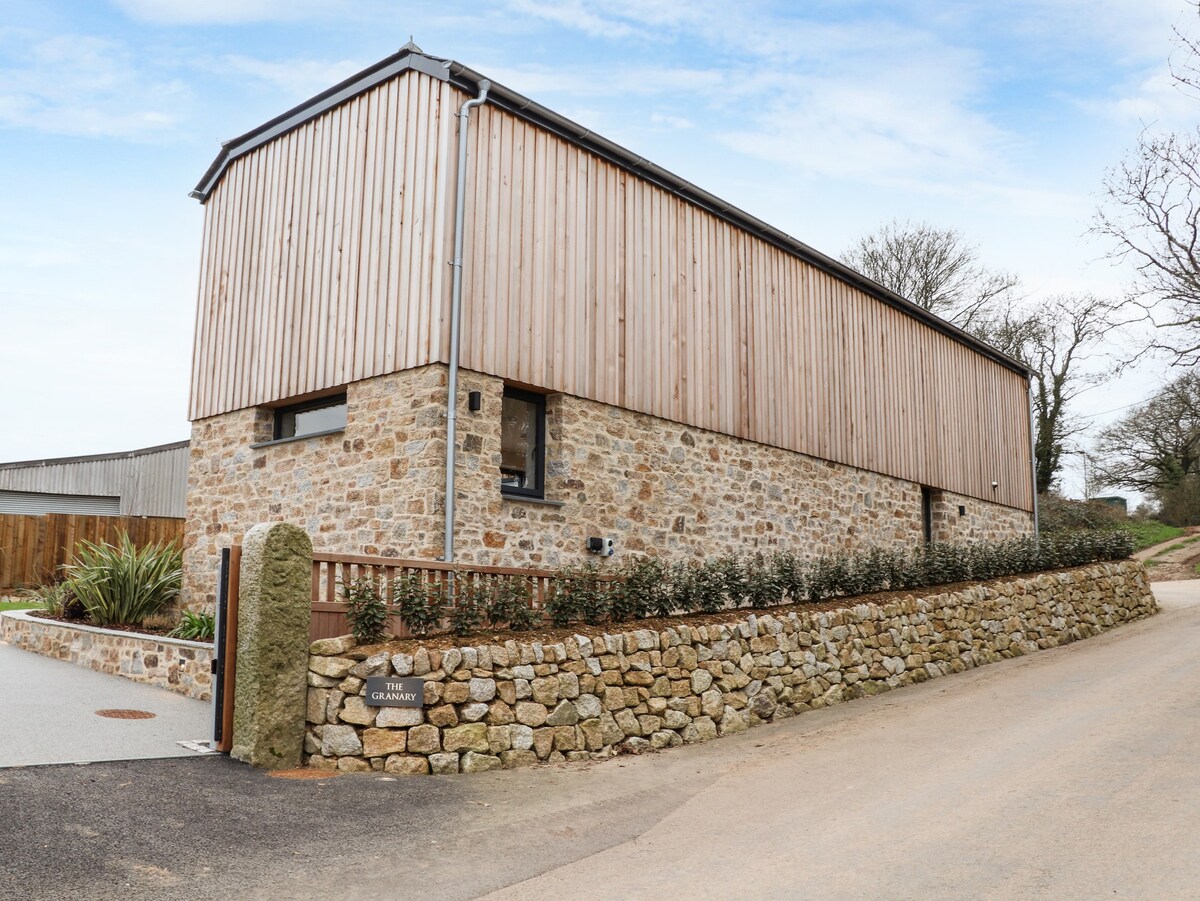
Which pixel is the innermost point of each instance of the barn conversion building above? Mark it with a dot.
(640, 360)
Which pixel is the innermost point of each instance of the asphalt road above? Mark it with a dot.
(1073, 773)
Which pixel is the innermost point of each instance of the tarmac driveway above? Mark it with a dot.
(48, 709)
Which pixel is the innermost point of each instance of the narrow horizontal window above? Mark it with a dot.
(326, 414)
(522, 443)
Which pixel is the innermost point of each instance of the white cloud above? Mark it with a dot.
(229, 12)
(1154, 98)
(574, 14)
(678, 122)
(298, 77)
(83, 85)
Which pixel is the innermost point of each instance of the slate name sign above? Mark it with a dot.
(384, 691)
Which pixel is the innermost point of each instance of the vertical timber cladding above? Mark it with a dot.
(324, 262)
(325, 249)
(583, 278)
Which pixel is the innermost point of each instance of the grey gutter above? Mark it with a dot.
(468, 79)
(89, 458)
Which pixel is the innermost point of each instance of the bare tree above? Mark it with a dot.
(935, 268)
(1151, 216)
(1058, 339)
(1062, 340)
(1155, 446)
(1185, 64)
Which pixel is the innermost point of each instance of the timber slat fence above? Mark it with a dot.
(331, 571)
(33, 547)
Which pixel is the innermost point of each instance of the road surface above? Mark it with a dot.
(1072, 773)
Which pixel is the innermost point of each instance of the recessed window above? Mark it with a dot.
(314, 417)
(522, 443)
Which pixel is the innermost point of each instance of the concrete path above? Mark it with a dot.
(1071, 773)
(49, 714)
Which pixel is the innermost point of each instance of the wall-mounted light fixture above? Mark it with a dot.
(475, 401)
(601, 546)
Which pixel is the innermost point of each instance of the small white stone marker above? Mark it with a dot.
(200, 747)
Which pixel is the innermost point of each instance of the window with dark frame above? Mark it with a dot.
(927, 513)
(522, 443)
(313, 417)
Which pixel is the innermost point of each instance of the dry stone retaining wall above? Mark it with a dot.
(184, 667)
(588, 696)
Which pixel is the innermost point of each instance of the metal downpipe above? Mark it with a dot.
(460, 206)
(1037, 530)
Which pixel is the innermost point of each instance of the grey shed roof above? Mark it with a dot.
(409, 58)
(149, 481)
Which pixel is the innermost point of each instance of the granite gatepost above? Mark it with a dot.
(272, 656)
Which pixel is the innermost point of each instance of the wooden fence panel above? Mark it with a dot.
(333, 571)
(32, 548)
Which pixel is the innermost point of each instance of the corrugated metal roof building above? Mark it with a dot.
(150, 481)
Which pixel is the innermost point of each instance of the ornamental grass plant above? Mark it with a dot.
(195, 625)
(122, 584)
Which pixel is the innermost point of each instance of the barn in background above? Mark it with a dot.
(48, 506)
(150, 481)
(640, 360)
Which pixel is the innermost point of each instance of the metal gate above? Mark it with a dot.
(225, 649)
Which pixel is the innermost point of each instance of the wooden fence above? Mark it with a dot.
(332, 571)
(32, 548)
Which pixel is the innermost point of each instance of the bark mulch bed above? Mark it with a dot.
(152, 631)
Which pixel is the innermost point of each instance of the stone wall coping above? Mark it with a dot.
(99, 630)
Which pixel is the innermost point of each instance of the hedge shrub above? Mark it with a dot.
(642, 587)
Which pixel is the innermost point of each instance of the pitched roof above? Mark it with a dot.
(92, 458)
(411, 58)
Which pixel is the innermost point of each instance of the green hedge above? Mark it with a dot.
(645, 586)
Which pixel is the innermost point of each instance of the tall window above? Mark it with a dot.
(522, 443)
(314, 417)
(927, 512)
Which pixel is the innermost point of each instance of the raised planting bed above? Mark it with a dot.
(184, 667)
(516, 699)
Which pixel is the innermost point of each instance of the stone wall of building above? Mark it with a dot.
(184, 667)
(958, 518)
(655, 486)
(590, 695)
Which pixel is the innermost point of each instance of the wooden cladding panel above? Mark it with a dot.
(325, 262)
(325, 250)
(582, 278)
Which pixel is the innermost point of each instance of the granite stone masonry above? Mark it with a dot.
(183, 667)
(592, 695)
(655, 486)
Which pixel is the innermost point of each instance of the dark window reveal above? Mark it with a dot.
(522, 443)
(927, 513)
(314, 417)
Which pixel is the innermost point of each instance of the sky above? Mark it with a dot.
(824, 118)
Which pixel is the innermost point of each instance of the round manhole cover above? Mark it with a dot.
(126, 714)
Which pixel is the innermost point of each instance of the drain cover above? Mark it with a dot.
(126, 714)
